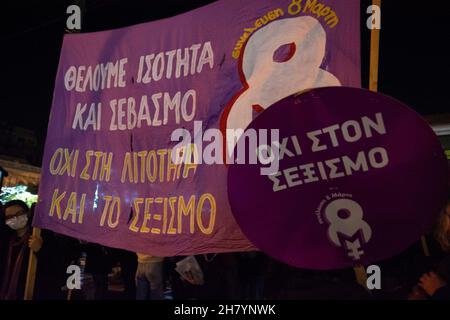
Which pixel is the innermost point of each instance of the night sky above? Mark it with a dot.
(414, 65)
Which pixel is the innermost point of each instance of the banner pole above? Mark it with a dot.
(360, 271)
(31, 271)
(374, 53)
(426, 250)
(361, 275)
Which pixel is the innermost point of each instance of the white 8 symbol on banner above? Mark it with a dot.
(347, 226)
(270, 79)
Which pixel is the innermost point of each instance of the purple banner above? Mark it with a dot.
(107, 174)
(360, 178)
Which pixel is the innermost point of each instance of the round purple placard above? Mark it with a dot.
(359, 178)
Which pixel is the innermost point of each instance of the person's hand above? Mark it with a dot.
(431, 282)
(35, 243)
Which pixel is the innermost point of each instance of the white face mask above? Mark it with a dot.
(17, 223)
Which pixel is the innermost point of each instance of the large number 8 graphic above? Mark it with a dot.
(347, 225)
(267, 78)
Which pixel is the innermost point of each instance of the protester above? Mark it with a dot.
(252, 271)
(436, 283)
(98, 264)
(149, 277)
(5, 232)
(128, 266)
(54, 259)
(19, 244)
